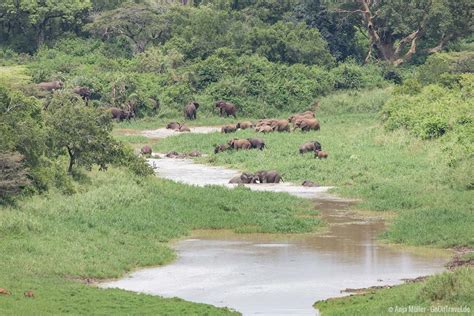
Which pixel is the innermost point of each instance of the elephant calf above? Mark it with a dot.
(228, 129)
(221, 148)
(51, 86)
(270, 176)
(309, 147)
(264, 129)
(173, 125)
(225, 107)
(244, 178)
(183, 128)
(307, 183)
(245, 125)
(146, 151)
(320, 154)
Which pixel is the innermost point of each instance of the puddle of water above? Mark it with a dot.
(262, 274)
(164, 132)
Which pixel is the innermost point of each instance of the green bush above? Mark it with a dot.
(350, 75)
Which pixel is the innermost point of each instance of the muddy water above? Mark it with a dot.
(164, 132)
(276, 275)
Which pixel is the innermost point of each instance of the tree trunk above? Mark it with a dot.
(72, 159)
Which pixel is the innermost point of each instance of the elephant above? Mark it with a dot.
(307, 183)
(173, 125)
(146, 151)
(264, 122)
(245, 125)
(51, 85)
(270, 176)
(228, 129)
(120, 115)
(228, 108)
(280, 126)
(244, 178)
(296, 117)
(308, 124)
(175, 154)
(257, 143)
(310, 146)
(221, 148)
(84, 92)
(264, 129)
(239, 144)
(190, 110)
(183, 128)
(194, 153)
(320, 154)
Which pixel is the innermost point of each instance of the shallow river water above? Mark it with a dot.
(260, 274)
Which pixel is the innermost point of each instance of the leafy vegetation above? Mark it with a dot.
(395, 88)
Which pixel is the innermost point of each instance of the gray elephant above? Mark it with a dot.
(190, 110)
(244, 178)
(270, 176)
(225, 107)
(257, 143)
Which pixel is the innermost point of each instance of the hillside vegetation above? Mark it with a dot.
(391, 82)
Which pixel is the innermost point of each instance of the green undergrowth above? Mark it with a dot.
(449, 289)
(118, 222)
(387, 171)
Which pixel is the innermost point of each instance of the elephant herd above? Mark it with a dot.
(305, 121)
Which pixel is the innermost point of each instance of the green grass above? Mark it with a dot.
(160, 122)
(13, 76)
(387, 171)
(453, 289)
(114, 224)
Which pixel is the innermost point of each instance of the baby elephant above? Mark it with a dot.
(257, 143)
(221, 148)
(183, 128)
(307, 183)
(173, 125)
(239, 144)
(320, 154)
(270, 176)
(244, 178)
(245, 125)
(309, 147)
(228, 129)
(146, 151)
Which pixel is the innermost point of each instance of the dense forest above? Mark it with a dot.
(404, 68)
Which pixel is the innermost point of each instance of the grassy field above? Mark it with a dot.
(386, 171)
(453, 289)
(114, 224)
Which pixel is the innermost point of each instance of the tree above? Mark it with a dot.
(139, 24)
(398, 29)
(82, 133)
(34, 20)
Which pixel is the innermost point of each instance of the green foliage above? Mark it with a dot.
(452, 289)
(446, 68)
(349, 75)
(26, 25)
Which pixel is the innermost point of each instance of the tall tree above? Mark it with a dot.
(400, 29)
(38, 19)
(139, 24)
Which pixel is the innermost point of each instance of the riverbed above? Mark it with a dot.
(260, 274)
